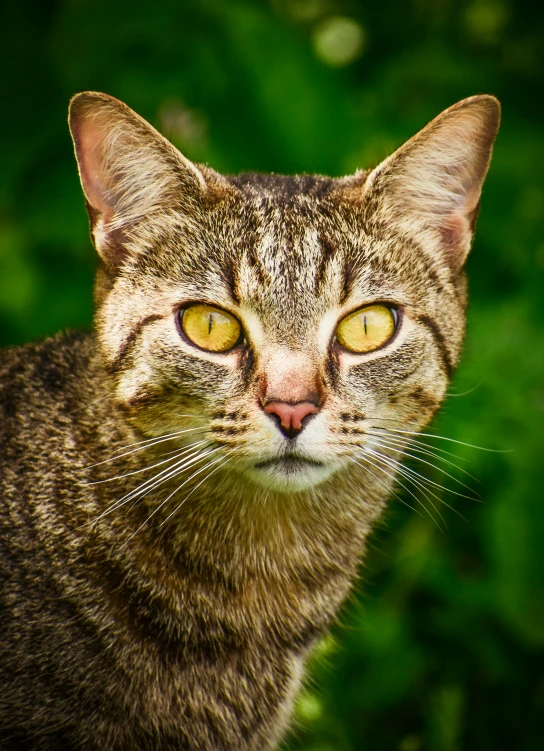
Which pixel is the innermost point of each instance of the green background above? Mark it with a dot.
(441, 647)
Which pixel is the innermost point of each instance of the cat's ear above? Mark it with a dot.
(430, 187)
(128, 171)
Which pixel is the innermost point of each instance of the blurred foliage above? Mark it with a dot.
(440, 648)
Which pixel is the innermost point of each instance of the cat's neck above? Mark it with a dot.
(225, 533)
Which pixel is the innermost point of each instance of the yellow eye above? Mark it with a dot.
(366, 329)
(210, 328)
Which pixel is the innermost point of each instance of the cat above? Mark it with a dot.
(185, 493)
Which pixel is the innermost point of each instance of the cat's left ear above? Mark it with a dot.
(129, 172)
(430, 188)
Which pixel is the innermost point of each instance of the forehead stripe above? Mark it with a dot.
(230, 277)
(328, 252)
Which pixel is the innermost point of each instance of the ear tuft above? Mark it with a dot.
(431, 186)
(128, 170)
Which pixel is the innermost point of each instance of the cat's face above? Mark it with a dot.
(289, 396)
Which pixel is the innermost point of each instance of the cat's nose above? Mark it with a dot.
(289, 417)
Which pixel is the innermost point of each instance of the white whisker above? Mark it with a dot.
(423, 483)
(141, 445)
(437, 451)
(225, 460)
(154, 482)
(161, 505)
(442, 438)
(88, 404)
(430, 464)
(469, 391)
(178, 453)
(382, 483)
(397, 468)
(420, 448)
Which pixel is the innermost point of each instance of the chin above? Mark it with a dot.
(290, 474)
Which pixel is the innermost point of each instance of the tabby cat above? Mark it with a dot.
(185, 493)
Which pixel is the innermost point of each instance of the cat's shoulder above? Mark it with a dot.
(42, 369)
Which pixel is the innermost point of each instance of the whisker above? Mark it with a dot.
(428, 482)
(469, 391)
(384, 466)
(141, 445)
(177, 453)
(420, 448)
(430, 464)
(225, 458)
(88, 404)
(156, 510)
(163, 476)
(441, 438)
(382, 483)
(154, 482)
(397, 468)
(422, 483)
(415, 442)
(185, 465)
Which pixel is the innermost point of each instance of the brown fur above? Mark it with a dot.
(181, 618)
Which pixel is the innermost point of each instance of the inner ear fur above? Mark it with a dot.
(128, 171)
(430, 187)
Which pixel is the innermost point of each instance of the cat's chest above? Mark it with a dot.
(187, 617)
(193, 661)
(207, 587)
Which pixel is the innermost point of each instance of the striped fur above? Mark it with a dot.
(168, 557)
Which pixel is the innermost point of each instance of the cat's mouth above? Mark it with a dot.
(290, 472)
(289, 463)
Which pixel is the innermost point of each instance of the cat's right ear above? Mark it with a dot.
(128, 172)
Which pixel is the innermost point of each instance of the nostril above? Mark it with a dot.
(290, 418)
(288, 432)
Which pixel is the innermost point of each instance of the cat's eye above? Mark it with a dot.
(367, 329)
(210, 328)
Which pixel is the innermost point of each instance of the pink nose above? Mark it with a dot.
(291, 415)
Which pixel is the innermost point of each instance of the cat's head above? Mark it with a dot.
(284, 320)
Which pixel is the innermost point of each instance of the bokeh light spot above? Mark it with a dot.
(339, 41)
(186, 127)
(308, 707)
(485, 19)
